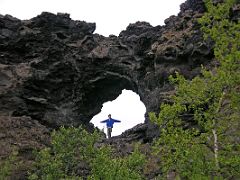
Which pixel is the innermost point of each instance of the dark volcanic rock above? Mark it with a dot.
(23, 135)
(56, 71)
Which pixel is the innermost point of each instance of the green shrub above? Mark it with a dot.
(199, 130)
(7, 166)
(105, 166)
(70, 146)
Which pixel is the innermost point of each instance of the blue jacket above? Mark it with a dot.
(110, 122)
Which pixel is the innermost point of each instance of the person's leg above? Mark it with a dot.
(109, 131)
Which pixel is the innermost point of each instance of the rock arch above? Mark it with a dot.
(56, 71)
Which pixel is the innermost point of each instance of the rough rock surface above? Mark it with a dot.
(21, 135)
(58, 72)
(55, 71)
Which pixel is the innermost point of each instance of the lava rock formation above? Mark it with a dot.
(55, 71)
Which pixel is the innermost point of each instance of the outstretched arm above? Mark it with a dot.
(116, 120)
(103, 121)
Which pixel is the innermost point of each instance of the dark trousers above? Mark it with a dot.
(109, 132)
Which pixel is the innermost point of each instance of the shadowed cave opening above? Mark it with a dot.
(127, 107)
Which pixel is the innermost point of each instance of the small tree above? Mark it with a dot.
(105, 166)
(70, 146)
(199, 129)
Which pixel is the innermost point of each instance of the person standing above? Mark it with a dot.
(109, 122)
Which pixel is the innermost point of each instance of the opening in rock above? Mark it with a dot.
(127, 107)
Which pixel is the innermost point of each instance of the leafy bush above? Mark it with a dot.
(69, 147)
(105, 166)
(199, 130)
(73, 145)
(7, 166)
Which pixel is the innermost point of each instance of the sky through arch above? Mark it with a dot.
(127, 107)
